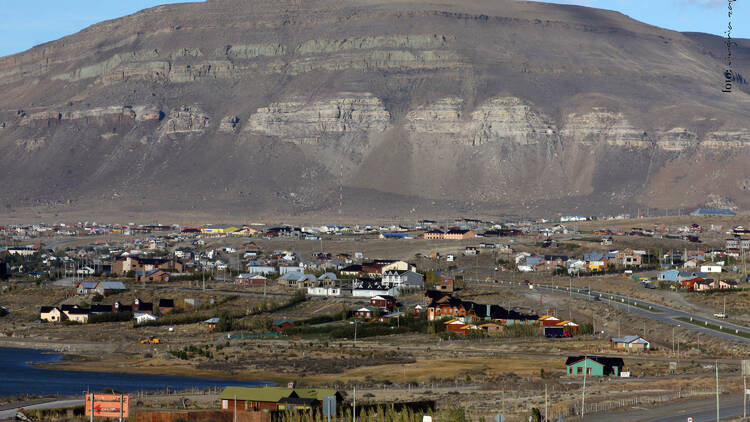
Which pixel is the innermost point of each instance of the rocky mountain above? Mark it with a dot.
(379, 108)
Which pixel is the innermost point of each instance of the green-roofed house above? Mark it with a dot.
(274, 398)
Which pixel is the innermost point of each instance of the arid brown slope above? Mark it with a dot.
(253, 107)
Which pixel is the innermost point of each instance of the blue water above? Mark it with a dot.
(18, 377)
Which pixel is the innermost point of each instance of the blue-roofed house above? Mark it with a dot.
(86, 288)
(107, 287)
(631, 343)
(668, 275)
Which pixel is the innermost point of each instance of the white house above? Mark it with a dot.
(261, 269)
(283, 269)
(141, 317)
(85, 271)
(710, 268)
(404, 279)
(324, 291)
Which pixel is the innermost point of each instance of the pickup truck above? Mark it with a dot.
(722, 315)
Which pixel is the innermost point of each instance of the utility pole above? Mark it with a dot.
(546, 404)
(717, 391)
(354, 406)
(583, 397)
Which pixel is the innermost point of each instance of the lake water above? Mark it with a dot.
(18, 377)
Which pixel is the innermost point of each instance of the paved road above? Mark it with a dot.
(662, 313)
(11, 413)
(702, 410)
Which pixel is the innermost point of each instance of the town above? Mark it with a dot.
(463, 316)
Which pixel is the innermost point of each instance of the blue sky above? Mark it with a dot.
(32, 22)
(28, 23)
(710, 16)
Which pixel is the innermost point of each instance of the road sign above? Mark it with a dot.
(329, 405)
(690, 419)
(108, 405)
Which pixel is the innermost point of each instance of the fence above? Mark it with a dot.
(605, 406)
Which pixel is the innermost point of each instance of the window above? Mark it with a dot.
(225, 404)
(579, 370)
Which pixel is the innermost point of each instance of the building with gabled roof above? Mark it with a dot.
(631, 342)
(271, 398)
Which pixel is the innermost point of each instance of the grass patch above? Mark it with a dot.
(716, 327)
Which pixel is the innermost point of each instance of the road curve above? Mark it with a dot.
(662, 313)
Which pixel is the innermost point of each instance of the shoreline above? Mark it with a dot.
(82, 362)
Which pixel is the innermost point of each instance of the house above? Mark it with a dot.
(143, 307)
(369, 287)
(492, 328)
(434, 234)
(119, 307)
(211, 323)
(446, 285)
(352, 271)
(389, 316)
(107, 287)
(254, 267)
(78, 315)
(629, 258)
(458, 234)
(247, 279)
(631, 343)
(142, 318)
(690, 284)
(365, 312)
(452, 308)
(50, 314)
(459, 326)
(405, 279)
(684, 275)
(86, 287)
(85, 271)
(220, 229)
(299, 280)
(124, 265)
(328, 279)
(668, 275)
(284, 269)
(155, 275)
(383, 302)
(548, 321)
(324, 291)
(710, 268)
(724, 284)
(702, 286)
(389, 265)
(598, 366)
(280, 324)
(166, 306)
(272, 398)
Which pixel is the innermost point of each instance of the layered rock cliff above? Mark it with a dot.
(251, 107)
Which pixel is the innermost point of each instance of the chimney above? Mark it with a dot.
(488, 316)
